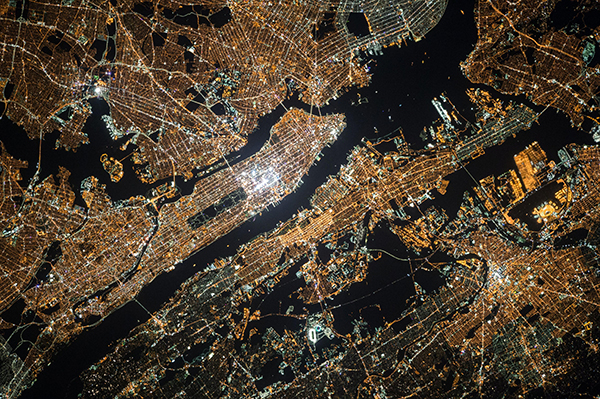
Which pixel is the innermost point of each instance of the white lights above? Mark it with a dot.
(315, 333)
(262, 179)
(312, 335)
(497, 275)
(267, 181)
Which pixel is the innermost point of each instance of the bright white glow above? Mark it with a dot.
(98, 90)
(264, 179)
(312, 335)
(497, 275)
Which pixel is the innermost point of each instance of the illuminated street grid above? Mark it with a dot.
(509, 310)
(159, 72)
(516, 55)
(111, 251)
(186, 85)
(500, 314)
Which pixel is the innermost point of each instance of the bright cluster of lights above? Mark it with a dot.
(497, 274)
(263, 179)
(313, 333)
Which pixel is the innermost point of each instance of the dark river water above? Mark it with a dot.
(404, 82)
